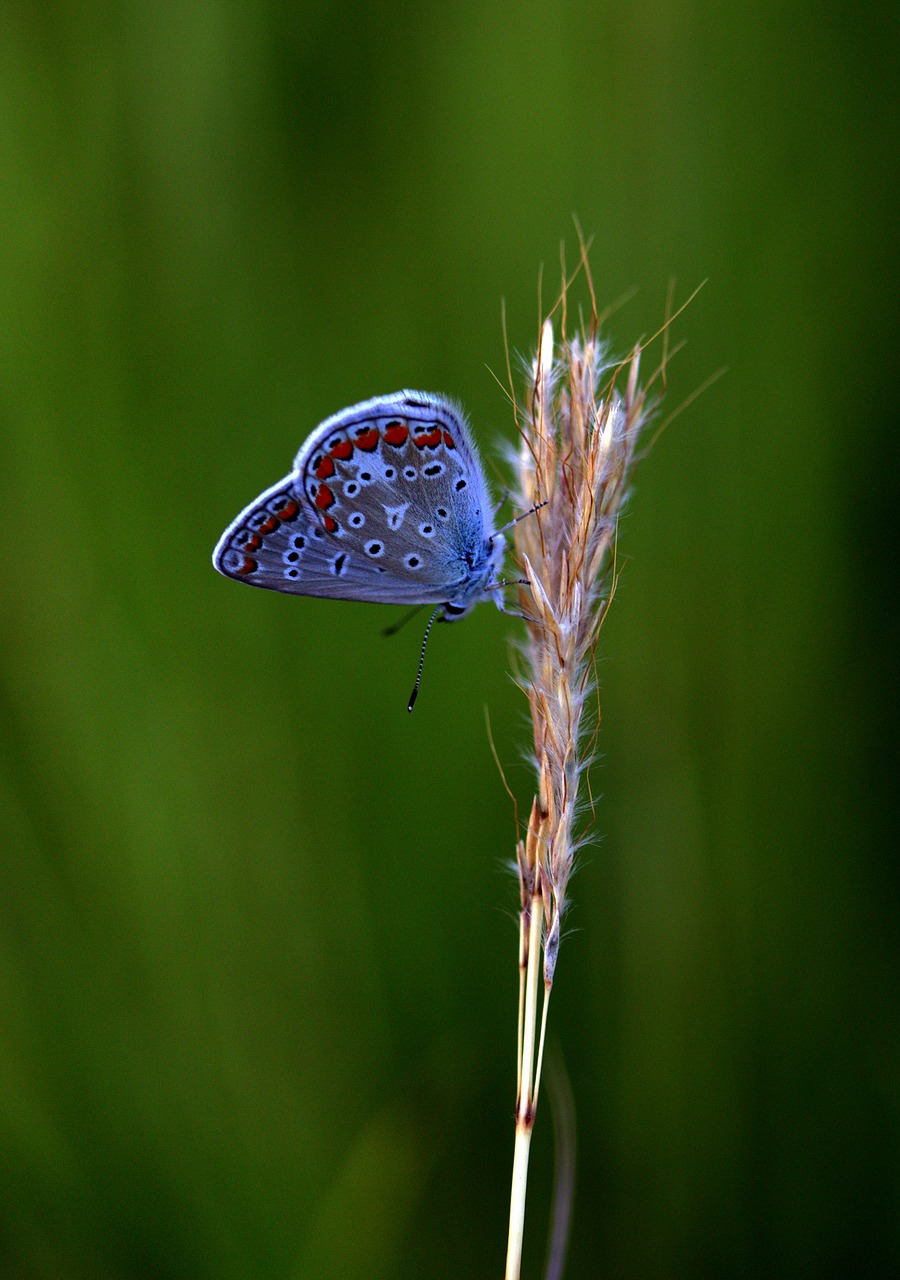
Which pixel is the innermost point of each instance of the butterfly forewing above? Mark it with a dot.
(387, 503)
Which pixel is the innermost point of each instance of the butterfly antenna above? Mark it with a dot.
(415, 692)
(395, 626)
(523, 516)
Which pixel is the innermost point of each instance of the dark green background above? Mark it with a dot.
(257, 961)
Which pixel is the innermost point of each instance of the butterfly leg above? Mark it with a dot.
(407, 617)
(501, 603)
(506, 497)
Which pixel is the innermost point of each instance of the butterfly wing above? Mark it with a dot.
(279, 543)
(387, 503)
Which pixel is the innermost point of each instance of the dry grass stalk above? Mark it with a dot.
(578, 429)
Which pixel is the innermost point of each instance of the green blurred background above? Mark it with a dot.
(258, 949)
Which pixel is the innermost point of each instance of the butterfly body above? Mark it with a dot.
(387, 502)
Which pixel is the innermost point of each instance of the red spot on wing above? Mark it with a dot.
(368, 440)
(342, 450)
(330, 524)
(449, 441)
(249, 566)
(325, 469)
(428, 439)
(269, 525)
(289, 511)
(396, 433)
(324, 498)
(253, 543)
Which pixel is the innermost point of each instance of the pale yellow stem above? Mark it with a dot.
(527, 1099)
(548, 987)
(523, 967)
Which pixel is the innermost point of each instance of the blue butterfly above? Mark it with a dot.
(387, 502)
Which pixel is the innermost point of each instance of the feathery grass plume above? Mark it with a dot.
(578, 431)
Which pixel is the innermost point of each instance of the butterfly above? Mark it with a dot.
(387, 502)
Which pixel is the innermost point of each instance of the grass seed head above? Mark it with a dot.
(579, 428)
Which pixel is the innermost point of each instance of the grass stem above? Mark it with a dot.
(527, 1099)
